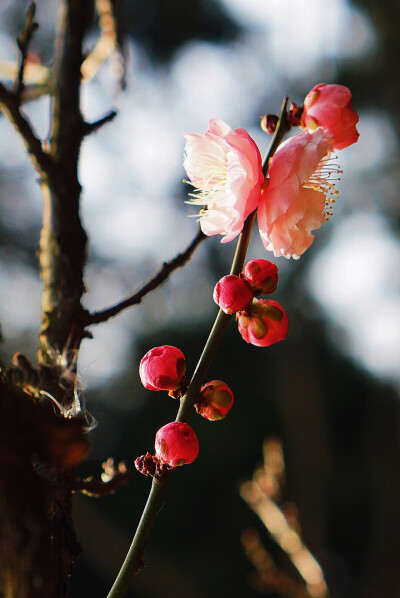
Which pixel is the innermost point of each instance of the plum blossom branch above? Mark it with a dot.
(155, 281)
(133, 561)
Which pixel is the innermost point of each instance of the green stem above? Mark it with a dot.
(133, 561)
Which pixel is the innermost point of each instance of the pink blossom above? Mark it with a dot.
(264, 324)
(296, 194)
(329, 107)
(215, 400)
(224, 166)
(176, 444)
(232, 294)
(162, 368)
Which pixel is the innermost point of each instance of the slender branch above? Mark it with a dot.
(9, 104)
(133, 561)
(111, 479)
(23, 41)
(107, 42)
(155, 281)
(89, 128)
(217, 331)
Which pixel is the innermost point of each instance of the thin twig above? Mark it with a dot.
(23, 41)
(9, 104)
(111, 479)
(133, 561)
(155, 281)
(107, 42)
(89, 128)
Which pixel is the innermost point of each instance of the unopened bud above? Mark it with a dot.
(264, 324)
(162, 368)
(176, 444)
(269, 122)
(262, 275)
(232, 294)
(215, 400)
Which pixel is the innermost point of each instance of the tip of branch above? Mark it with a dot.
(89, 128)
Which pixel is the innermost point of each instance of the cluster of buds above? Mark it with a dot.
(261, 322)
(163, 368)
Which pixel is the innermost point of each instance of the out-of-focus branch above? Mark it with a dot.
(106, 45)
(111, 479)
(23, 41)
(10, 105)
(155, 281)
(268, 577)
(89, 128)
(261, 495)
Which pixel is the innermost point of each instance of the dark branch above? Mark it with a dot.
(23, 41)
(62, 253)
(93, 127)
(9, 104)
(155, 281)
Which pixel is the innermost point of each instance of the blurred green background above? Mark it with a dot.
(330, 391)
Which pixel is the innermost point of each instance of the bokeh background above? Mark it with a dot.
(330, 392)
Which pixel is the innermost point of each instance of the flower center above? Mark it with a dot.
(208, 191)
(324, 179)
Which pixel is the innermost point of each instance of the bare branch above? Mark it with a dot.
(63, 240)
(9, 104)
(23, 41)
(155, 281)
(107, 42)
(93, 127)
(111, 479)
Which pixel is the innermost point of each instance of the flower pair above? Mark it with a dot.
(225, 168)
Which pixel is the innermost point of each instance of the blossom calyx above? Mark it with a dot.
(162, 368)
(232, 294)
(262, 275)
(264, 324)
(215, 400)
(329, 107)
(225, 168)
(176, 444)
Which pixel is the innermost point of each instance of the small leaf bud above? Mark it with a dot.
(264, 324)
(176, 444)
(162, 368)
(215, 400)
(232, 294)
(262, 275)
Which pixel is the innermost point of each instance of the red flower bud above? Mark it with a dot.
(176, 444)
(262, 276)
(215, 400)
(264, 324)
(162, 368)
(232, 294)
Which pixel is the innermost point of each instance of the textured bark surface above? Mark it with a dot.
(63, 241)
(37, 539)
